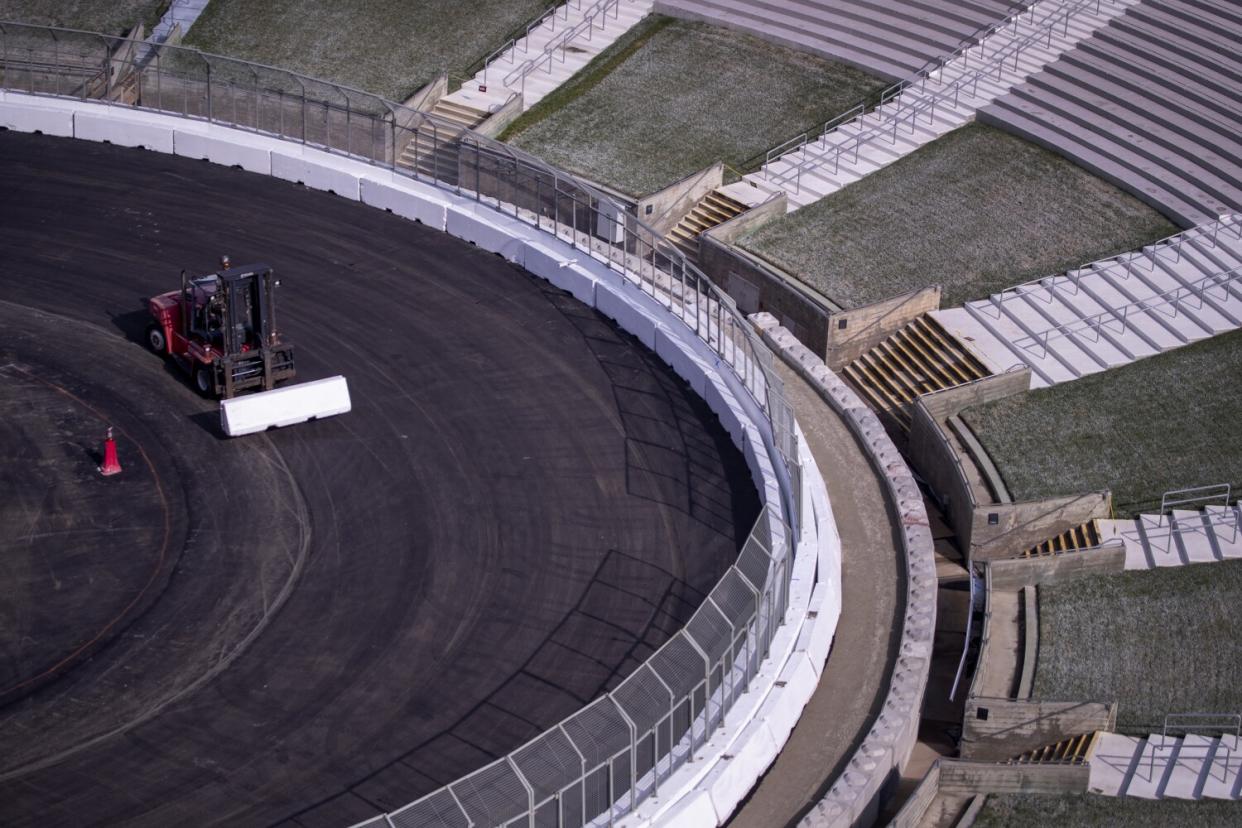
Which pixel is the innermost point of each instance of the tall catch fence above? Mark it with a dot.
(602, 761)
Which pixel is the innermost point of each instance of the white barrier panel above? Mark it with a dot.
(492, 231)
(682, 361)
(57, 122)
(315, 175)
(284, 406)
(628, 314)
(230, 153)
(129, 133)
(564, 273)
(414, 206)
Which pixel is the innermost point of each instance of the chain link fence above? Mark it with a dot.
(603, 760)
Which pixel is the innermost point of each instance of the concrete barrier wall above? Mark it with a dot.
(499, 120)
(1002, 530)
(886, 748)
(756, 288)
(961, 776)
(853, 332)
(1016, 573)
(997, 730)
(662, 210)
(727, 232)
(911, 813)
(932, 453)
(700, 793)
(952, 401)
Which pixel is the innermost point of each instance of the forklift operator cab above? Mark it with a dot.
(221, 328)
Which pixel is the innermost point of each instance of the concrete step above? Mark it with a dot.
(1223, 780)
(1155, 762)
(1111, 762)
(1189, 769)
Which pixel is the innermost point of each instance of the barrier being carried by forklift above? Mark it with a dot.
(221, 330)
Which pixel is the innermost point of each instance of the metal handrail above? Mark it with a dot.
(370, 129)
(600, 9)
(1121, 314)
(907, 111)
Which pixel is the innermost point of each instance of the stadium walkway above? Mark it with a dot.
(855, 679)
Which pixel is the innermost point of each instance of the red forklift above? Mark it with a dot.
(221, 330)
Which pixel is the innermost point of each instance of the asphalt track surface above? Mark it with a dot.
(306, 626)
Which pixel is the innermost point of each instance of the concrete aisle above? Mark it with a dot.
(852, 687)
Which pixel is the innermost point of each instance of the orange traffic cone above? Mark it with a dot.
(110, 465)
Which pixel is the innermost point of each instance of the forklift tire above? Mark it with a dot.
(202, 380)
(156, 339)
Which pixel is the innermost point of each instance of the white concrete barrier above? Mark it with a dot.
(46, 120)
(231, 153)
(124, 133)
(286, 406)
(617, 305)
(312, 173)
(493, 231)
(401, 199)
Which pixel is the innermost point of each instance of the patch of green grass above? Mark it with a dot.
(680, 96)
(1158, 641)
(1162, 423)
(387, 47)
(976, 211)
(112, 17)
(1021, 810)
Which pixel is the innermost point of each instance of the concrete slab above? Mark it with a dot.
(1188, 770)
(1154, 763)
(1194, 536)
(1109, 765)
(989, 349)
(1222, 780)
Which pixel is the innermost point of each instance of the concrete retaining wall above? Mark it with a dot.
(759, 289)
(1057, 569)
(886, 748)
(728, 231)
(662, 210)
(911, 813)
(737, 755)
(853, 332)
(960, 776)
(933, 454)
(499, 120)
(952, 401)
(1002, 530)
(997, 730)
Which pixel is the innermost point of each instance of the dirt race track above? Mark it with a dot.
(309, 625)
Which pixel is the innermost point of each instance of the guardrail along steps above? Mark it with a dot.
(1152, 103)
(939, 98)
(1160, 766)
(713, 209)
(918, 359)
(1111, 312)
(550, 52)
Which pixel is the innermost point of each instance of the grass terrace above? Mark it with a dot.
(388, 47)
(112, 17)
(673, 97)
(1158, 641)
(1020, 811)
(1162, 423)
(976, 211)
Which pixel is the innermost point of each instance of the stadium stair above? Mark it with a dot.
(713, 209)
(1152, 103)
(1114, 311)
(1166, 767)
(928, 107)
(435, 152)
(1184, 536)
(1086, 536)
(1072, 751)
(918, 359)
(566, 39)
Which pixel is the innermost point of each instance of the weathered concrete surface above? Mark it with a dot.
(851, 688)
(1013, 727)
